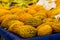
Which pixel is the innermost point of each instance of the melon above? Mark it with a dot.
(9, 17)
(33, 22)
(4, 11)
(8, 23)
(56, 26)
(33, 9)
(16, 10)
(24, 16)
(25, 31)
(40, 15)
(44, 30)
(53, 12)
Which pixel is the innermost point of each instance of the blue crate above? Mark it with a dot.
(10, 36)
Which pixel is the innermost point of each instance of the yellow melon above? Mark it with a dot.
(44, 30)
(48, 20)
(8, 17)
(16, 9)
(15, 27)
(56, 26)
(8, 23)
(4, 12)
(33, 9)
(52, 13)
(25, 31)
(24, 16)
(40, 15)
(33, 22)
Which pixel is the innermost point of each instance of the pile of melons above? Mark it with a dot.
(31, 21)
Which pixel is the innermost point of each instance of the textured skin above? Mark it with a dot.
(8, 23)
(53, 12)
(5, 0)
(33, 9)
(56, 26)
(40, 15)
(25, 31)
(15, 26)
(48, 20)
(8, 17)
(44, 29)
(4, 11)
(33, 22)
(15, 9)
(25, 16)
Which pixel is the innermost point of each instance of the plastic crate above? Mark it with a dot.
(10, 36)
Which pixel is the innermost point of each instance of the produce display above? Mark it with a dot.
(26, 19)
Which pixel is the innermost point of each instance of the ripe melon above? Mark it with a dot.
(7, 23)
(4, 11)
(48, 20)
(25, 16)
(33, 22)
(25, 31)
(9, 17)
(44, 30)
(52, 13)
(56, 26)
(40, 15)
(4, 19)
(33, 9)
(15, 27)
(16, 10)
(5, 0)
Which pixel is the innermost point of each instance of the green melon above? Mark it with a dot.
(33, 22)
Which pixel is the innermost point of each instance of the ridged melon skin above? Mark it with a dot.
(4, 19)
(25, 31)
(57, 3)
(16, 10)
(13, 27)
(4, 11)
(34, 9)
(33, 22)
(24, 16)
(50, 21)
(7, 24)
(44, 29)
(47, 20)
(10, 22)
(40, 15)
(56, 26)
(53, 12)
(9, 16)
